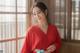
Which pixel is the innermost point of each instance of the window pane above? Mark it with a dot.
(7, 26)
(7, 18)
(75, 32)
(20, 44)
(7, 6)
(22, 5)
(8, 47)
(22, 24)
(60, 14)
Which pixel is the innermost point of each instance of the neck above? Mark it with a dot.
(44, 27)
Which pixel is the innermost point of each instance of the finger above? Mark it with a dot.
(52, 46)
(47, 51)
(51, 49)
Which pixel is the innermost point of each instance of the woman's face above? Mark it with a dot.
(38, 15)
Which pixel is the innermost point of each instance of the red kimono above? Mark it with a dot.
(37, 39)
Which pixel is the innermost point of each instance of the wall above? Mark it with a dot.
(70, 47)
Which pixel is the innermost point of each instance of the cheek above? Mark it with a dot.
(42, 17)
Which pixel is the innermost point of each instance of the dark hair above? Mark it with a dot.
(41, 6)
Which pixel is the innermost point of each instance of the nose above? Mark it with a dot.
(37, 16)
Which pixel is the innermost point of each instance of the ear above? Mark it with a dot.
(46, 12)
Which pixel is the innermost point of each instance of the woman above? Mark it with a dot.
(42, 36)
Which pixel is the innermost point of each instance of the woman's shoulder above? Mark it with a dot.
(52, 26)
(32, 28)
(30, 31)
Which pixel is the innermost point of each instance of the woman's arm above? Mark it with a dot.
(26, 46)
(57, 43)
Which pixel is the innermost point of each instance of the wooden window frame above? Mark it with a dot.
(28, 23)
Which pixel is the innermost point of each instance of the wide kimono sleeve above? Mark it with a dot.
(57, 40)
(26, 45)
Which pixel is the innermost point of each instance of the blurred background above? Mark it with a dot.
(15, 20)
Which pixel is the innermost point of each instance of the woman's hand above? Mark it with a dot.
(46, 52)
(51, 48)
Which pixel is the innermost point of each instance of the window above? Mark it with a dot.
(13, 24)
(75, 20)
(60, 19)
(68, 18)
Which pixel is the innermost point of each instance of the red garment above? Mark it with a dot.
(37, 39)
